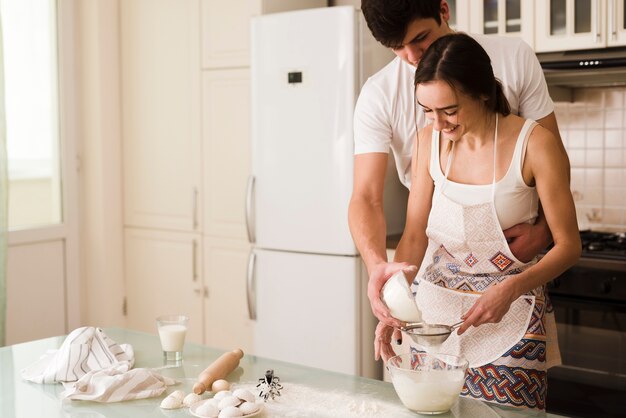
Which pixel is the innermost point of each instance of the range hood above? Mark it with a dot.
(565, 71)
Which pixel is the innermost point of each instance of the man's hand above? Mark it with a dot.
(378, 277)
(526, 240)
(382, 341)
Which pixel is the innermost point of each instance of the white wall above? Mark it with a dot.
(593, 129)
(100, 161)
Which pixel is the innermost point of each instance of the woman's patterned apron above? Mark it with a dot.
(469, 253)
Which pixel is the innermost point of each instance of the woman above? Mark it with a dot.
(479, 169)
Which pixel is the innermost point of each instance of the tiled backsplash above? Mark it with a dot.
(594, 134)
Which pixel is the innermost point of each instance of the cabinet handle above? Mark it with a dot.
(194, 259)
(250, 227)
(195, 208)
(597, 22)
(251, 286)
(613, 19)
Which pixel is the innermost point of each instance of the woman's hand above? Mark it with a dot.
(490, 307)
(378, 277)
(382, 341)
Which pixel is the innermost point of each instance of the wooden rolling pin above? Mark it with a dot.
(219, 369)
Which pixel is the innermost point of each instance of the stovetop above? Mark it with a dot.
(605, 245)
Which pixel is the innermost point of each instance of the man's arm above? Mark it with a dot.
(367, 225)
(365, 214)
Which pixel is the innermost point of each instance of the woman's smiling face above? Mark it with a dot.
(447, 108)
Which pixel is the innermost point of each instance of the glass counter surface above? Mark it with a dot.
(22, 399)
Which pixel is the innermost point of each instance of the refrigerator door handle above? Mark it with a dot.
(251, 286)
(249, 220)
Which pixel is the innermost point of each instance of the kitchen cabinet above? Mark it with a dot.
(161, 113)
(163, 277)
(503, 17)
(185, 109)
(226, 143)
(459, 15)
(227, 323)
(579, 24)
(226, 28)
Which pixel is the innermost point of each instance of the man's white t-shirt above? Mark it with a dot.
(385, 114)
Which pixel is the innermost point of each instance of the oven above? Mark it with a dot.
(589, 302)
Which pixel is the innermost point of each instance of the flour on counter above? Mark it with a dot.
(302, 401)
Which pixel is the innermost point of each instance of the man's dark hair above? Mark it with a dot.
(388, 20)
(461, 62)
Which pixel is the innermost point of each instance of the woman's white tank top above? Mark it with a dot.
(515, 201)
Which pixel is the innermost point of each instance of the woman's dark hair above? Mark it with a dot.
(388, 20)
(461, 62)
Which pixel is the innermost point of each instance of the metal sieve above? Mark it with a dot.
(429, 335)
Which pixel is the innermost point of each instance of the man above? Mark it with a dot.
(385, 117)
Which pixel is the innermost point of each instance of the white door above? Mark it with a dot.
(226, 150)
(43, 289)
(308, 309)
(227, 323)
(161, 91)
(163, 277)
(303, 95)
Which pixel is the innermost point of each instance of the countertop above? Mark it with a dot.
(307, 392)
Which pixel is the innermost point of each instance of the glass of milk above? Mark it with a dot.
(172, 330)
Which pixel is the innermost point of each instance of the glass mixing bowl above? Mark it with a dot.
(427, 383)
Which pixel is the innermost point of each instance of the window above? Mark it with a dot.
(32, 112)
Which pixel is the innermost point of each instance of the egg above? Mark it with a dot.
(220, 385)
(191, 399)
(228, 401)
(171, 402)
(249, 407)
(208, 410)
(222, 394)
(244, 395)
(178, 394)
(230, 411)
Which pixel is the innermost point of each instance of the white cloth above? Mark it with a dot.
(116, 384)
(85, 349)
(515, 201)
(385, 116)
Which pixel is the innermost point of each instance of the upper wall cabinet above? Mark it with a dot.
(459, 15)
(579, 24)
(503, 17)
(226, 28)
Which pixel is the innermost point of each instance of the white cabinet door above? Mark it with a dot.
(616, 16)
(226, 150)
(570, 24)
(160, 41)
(227, 322)
(459, 15)
(226, 28)
(163, 276)
(35, 291)
(504, 18)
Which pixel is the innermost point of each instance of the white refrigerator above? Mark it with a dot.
(306, 281)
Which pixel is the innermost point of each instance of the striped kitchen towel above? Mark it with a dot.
(85, 349)
(116, 384)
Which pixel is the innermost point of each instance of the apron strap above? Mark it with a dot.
(495, 147)
(451, 157)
